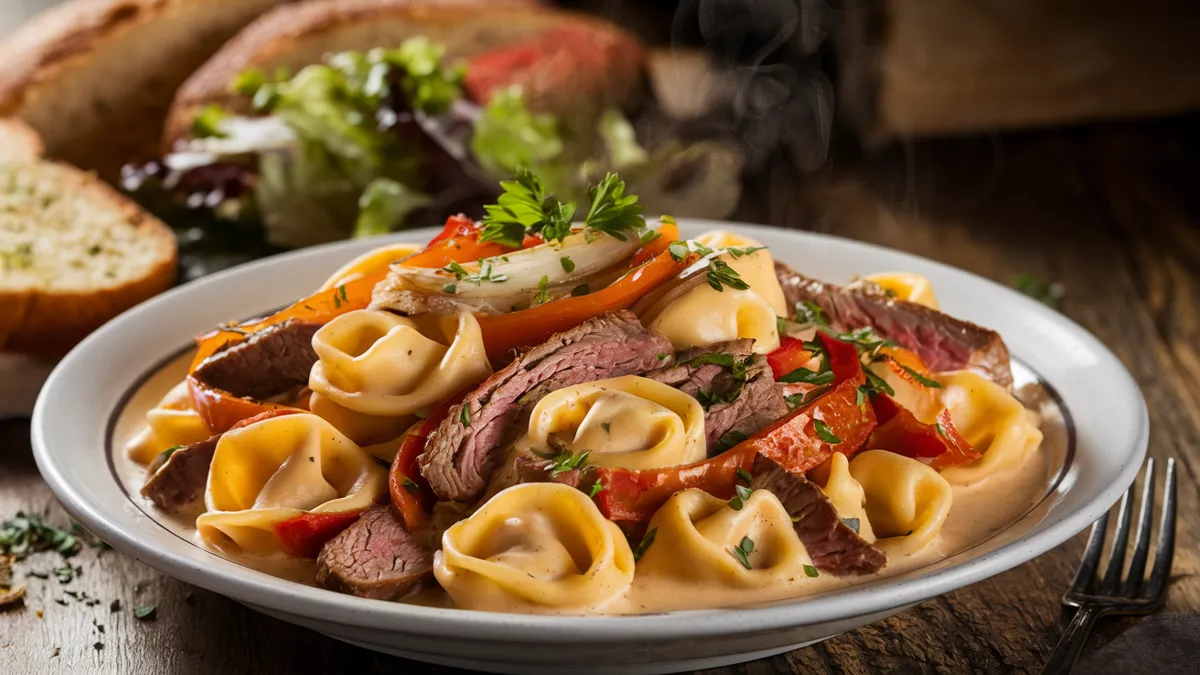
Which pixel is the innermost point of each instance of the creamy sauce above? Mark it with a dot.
(979, 512)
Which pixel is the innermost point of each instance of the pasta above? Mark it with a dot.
(543, 546)
(377, 363)
(906, 501)
(277, 469)
(171, 423)
(696, 536)
(992, 421)
(520, 400)
(630, 422)
(847, 494)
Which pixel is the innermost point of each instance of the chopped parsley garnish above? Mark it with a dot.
(800, 400)
(612, 211)
(565, 461)
(809, 313)
(464, 416)
(543, 293)
(596, 488)
(524, 206)
(646, 541)
(678, 250)
(806, 376)
(740, 494)
(729, 439)
(650, 235)
(940, 429)
(860, 396)
(747, 250)
(743, 474)
(810, 571)
(166, 454)
(26, 533)
(450, 289)
(207, 123)
(876, 384)
(568, 265)
(720, 274)
(410, 485)
(145, 612)
(607, 427)
(485, 273)
(663, 357)
(932, 384)
(825, 433)
(852, 523)
(737, 367)
(742, 552)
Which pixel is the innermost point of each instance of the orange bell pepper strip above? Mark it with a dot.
(320, 307)
(410, 492)
(790, 355)
(631, 495)
(504, 332)
(667, 233)
(304, 535)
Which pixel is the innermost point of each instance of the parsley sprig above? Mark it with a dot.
(26, 533)
(742, 551)
(525, 206)
(566, 461)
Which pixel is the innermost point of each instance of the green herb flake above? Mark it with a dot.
(678, 250)
(145, 612)
(825, 433)
(543, 293)
(742, 552)
(740, 494)
(568, 265)
(852, 523)
(565, 462)
(26, 533)
(940, 429)
(806, 376)
(810, 571)
(646, 541)
(809, 314)
(450, 289)
(411, 485)
(596, 488)
(729, 439)
(932, 384)
(663, 357)
(720, 275)
(207, 123)
(607, 427)
(465, 415)
(860, 396)
(649, 236)
(744, 475)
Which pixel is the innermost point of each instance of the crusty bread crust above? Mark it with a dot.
(18, 142)
(95, 77)
(49, 323)
(294, 36)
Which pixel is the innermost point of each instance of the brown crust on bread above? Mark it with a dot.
(49, 323)
(297, 35)
(18, 141)
(60, 60)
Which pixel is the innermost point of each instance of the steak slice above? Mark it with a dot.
(833, 545)
(465, 449)
(273, 362)
(943, 342)
(738, 406)
(374, 558)
(181, 479)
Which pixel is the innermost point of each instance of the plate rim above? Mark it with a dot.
(257, 588)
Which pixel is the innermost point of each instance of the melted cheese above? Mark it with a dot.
(630, 422)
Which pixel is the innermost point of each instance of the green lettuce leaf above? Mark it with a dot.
(509, 137)
(386, 204)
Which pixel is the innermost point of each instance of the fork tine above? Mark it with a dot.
(1116, 553)
(1141, 546)
(1091, 557)
(1161, 572)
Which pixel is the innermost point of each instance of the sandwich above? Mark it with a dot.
(332, 119)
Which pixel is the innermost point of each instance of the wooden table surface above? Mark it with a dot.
(1112, 212)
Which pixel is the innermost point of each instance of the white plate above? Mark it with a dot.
(71, 427)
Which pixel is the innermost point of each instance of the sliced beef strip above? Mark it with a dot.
(465, 449)
(180, 481)
(832, 544)
(533, 469)
(943, 342)
(272, 362)
(376, 557)
(759, 401)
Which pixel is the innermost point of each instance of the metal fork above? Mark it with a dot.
(1110, 594)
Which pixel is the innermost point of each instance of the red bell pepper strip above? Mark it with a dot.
(634, 496)
(505, 332)
(792, 442)
(410, 492)
(900, 431)
(959, 451)
(457, 242)
(790, 355)
(221, 410)
(304, 535)
(843, 359)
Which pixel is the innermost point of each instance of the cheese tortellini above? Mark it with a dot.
(174, 421)
(906, 286)
(993, 421)
(704, 316)
(847, 495)
(536, 547)
(378, 363)
(906, 501)
(375, 260)
(630, 422)
(278, 469)
(697, 538)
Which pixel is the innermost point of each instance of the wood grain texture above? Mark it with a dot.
(1110, 212)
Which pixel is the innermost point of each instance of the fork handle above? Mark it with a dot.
(1066, 652)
